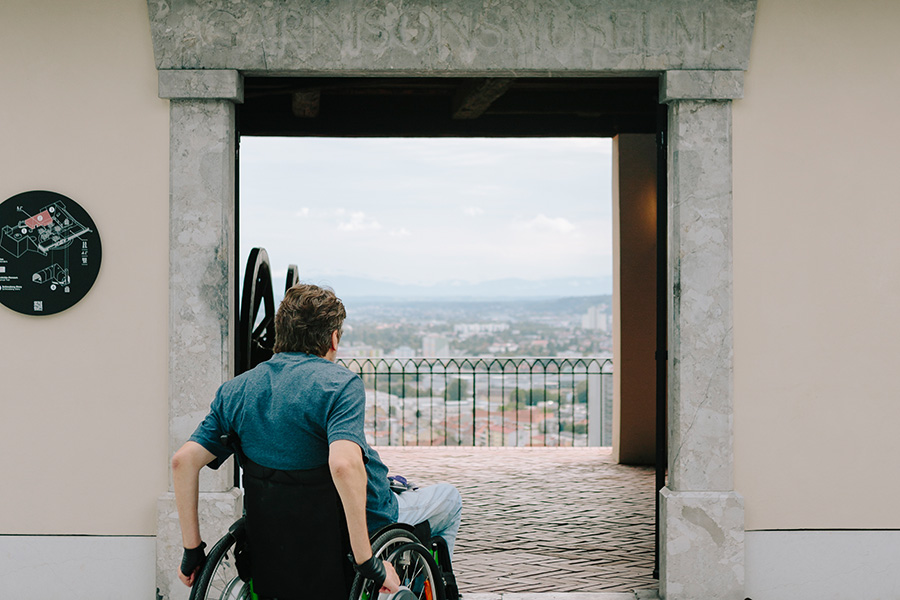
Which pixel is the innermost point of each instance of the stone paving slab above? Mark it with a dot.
(543, 523)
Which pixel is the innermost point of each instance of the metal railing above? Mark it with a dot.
(521, 401)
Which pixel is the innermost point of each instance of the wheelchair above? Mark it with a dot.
(220, 578)
(299, 515)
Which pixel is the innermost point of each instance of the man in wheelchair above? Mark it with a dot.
(300, 413)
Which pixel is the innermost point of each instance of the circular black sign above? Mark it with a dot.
(49, 253)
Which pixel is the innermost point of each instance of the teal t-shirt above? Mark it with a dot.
(287, 411)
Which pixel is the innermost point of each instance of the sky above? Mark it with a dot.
(427, 210)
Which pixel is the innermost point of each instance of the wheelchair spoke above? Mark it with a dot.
(221, 583)
(220, 580)
(412, 578)
(414, 574)
(413, 563)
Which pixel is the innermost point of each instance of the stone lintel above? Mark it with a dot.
(375, 36)
(196, 84)
(701, 85)
(217, 510)
(702, 545)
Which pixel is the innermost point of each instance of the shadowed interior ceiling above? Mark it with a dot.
(448, 106)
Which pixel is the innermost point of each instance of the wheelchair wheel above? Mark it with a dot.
(218, 579)
(392, 539)
(413, 563)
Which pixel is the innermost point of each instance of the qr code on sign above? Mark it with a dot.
(38, 305)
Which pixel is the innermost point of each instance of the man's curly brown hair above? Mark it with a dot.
(306, 319)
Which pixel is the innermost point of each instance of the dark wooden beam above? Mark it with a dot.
(474, 99)
(305, 104)
(374, 123)
(428, 107)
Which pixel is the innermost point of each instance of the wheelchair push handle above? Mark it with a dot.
(231, 441)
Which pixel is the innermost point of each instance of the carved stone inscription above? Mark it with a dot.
(367, 35)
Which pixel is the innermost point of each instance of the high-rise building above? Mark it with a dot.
(435, 344)
(596, 318)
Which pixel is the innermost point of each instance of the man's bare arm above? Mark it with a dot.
(186, 465)
(349, 474)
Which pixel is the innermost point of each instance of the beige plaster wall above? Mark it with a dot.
(817, 267)
(634, 299)
(83, 428)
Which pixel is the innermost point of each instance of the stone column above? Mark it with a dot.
(702, 520)
(201, 289)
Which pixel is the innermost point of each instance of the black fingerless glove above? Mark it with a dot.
(372, 569)
(193, 558)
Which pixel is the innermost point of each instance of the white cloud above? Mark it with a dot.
(358, 222)
(457, 208)
(544, 224)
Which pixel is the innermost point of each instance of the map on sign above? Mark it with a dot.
(49, 253)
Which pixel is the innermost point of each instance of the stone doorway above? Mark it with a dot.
(698, 52)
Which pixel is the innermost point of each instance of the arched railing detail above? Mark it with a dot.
(477, 401)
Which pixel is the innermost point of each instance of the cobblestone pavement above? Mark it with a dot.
(543, 519)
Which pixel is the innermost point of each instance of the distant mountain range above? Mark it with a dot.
(497, 289)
